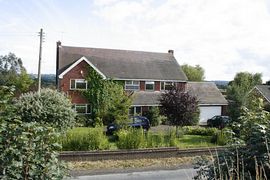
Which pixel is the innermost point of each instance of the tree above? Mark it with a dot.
(238, 90)
(108, 99)
(193, 73)
(13, 73)
(50, 107)
(180, 107)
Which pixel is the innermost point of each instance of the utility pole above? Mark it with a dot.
(41, 34)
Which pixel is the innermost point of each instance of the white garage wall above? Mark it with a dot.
(206, 112)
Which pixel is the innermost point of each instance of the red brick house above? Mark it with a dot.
(145, 74)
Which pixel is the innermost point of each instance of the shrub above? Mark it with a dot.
(50, 108)
(83, 139)
(130, 139)
(154, 140)
(29, 151)
(197, 130)
(154, 116)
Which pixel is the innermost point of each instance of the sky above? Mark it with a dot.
(222, 36)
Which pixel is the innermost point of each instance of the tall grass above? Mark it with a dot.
(82, 139)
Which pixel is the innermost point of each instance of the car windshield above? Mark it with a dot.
(137, 120)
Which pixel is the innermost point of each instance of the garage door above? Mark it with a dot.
(206, 112)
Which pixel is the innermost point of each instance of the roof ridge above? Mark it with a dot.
(128, 50)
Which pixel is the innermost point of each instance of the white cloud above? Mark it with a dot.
(224, 37)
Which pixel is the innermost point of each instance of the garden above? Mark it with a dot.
(86, 138)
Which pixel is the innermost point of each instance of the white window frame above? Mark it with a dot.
(166, 83)
(134, 110)
(83, 105)
(150, 82)
(132, 83)
(76, 81)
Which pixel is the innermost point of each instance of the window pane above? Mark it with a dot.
(81, 109)
(132, 87)
(80, 85)
(149, 85)
(128, 82)
(89, 109)
(136, 82)
(138, 110)
(162, 86)
(72, 84)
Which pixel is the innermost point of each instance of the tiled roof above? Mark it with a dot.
(207, 93)
(124, 64)
(265, 91)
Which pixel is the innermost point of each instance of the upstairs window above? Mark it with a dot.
(166, 86)
(82, 108)
(149, 85)
(78, 84)
(132, 85)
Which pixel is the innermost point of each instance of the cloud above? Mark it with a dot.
(224, 37)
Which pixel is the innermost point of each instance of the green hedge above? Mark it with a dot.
(83, 139)
(197, 130)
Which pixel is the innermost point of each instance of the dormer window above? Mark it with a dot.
(132, 85)
(78, 84)
(149, 85)
(166, 86)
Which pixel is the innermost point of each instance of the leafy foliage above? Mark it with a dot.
(108, 99)
(238, 89)
(180, 107)
(50, 108)
(6, 94)
(197, 130)
(154, 116)
(13, 73)
(251, 161)
(29, 151)
(193, 73)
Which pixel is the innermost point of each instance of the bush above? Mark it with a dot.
(154, 116)
(197, 130)
(83, 139)
(154, 140)
(130, 139)
(170, 138)
(50, 108)
(220, 138)
(29, 151)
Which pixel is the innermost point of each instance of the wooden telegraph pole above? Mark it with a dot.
(41, 34)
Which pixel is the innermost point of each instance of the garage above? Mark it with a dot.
(206, 112)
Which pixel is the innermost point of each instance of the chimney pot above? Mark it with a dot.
(170, 51)
(58, 43)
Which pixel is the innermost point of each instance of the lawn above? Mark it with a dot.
(193, 141)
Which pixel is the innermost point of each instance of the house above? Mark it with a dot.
(263, 91)
(145, 74)
(211, 100)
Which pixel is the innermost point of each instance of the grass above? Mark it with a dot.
(194, 141)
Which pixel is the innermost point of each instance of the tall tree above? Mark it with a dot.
(193, 73)
(13, 73)
(238, 90)
(180, 107)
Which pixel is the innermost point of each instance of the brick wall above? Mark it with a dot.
(182, 86)
(78, 72)
(157, 85)
(142, 85)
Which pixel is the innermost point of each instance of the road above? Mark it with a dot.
(182, 174)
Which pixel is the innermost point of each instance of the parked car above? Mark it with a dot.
(137, 122)
(218, 121)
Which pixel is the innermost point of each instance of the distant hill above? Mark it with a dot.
(221, 84)
(47, 80)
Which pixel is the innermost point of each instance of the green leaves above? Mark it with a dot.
(29, 151)
(50, 108)
(193, 73)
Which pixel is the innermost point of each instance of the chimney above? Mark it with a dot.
(170, 51)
